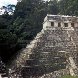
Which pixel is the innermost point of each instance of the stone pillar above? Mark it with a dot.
(69, 24)
(55, 24)
(62, 24)
(76, 24)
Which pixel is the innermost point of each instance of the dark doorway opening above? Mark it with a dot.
(66, 24)
(52, 23)
(72, 24)
(59, 24)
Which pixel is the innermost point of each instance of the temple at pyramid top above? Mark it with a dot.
(60, 21)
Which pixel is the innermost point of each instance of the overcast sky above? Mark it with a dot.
(6, 2)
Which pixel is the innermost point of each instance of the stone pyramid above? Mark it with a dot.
(54, 48)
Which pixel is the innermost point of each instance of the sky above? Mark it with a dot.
(6, 2)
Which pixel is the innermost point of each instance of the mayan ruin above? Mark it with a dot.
(52, 53)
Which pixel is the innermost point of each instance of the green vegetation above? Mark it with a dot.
(17, 30)
(68, 76)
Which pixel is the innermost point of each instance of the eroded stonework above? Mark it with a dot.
(53, 49)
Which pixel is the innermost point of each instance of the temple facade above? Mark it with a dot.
(51, 21)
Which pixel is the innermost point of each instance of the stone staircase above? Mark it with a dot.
(44, 57)
(46, 53)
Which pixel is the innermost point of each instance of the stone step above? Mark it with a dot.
(45, 52)
(29, 71)
(54, 57)
(34, 56)
(40, 65)
(31, 62)
(50, 62)
(40, 69)
(29, 66)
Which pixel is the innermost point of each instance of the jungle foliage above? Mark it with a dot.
(17, 30)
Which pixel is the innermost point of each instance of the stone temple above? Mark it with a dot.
(53, 52)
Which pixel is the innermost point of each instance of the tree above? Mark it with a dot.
(53, 7)
(8, 40)
(68, 7)
(29, 15)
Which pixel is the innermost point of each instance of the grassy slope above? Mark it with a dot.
(68, 76)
